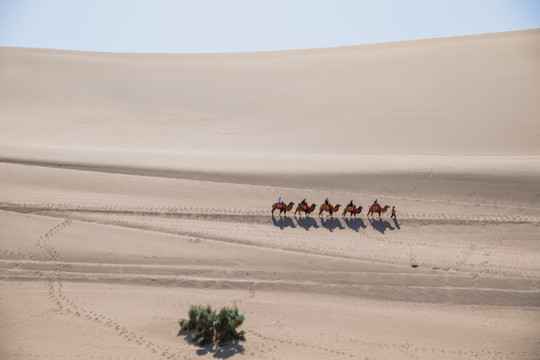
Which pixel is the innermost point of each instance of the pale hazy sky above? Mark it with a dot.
(201, 26)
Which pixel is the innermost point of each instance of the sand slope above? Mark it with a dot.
(475, 95)
(134, 186)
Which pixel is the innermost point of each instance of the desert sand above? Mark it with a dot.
(133, 186)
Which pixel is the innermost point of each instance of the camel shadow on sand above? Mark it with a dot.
(226, 351)
(331, 224)
(307, 223)
(355, 223)
(380, 225)
(283, 222)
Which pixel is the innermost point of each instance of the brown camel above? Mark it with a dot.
(352, 210)
(307, 210)
(330, 208)
(377, 209)
(282, 207)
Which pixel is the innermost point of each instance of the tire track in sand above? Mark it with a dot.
(150, 218)
(238, 214)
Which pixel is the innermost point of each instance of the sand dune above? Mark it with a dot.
(474, 95)
(133, 186)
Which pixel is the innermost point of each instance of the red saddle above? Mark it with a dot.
(305, 207)
(327, 207)
(352, 208)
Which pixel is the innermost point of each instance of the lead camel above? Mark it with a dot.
(377, 209)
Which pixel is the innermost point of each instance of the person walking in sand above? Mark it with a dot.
(393, 213)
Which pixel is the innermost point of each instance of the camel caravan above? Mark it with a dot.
(351, 209)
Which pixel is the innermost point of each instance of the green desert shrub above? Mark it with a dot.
(213, 327)
(191, 322)
(225, 325)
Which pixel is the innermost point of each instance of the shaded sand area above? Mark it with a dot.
(123, 205)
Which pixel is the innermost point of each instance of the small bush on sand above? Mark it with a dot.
(213, 327)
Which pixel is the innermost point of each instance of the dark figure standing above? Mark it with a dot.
(393, 213)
